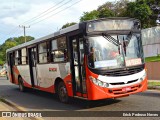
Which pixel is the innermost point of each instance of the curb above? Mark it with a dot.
(154, 87)
(13, 105)
(18, 108)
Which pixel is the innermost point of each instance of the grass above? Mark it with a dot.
(152, 59)
(153, 83)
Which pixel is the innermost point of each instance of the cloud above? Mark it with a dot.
(16, 12)
(12, 10)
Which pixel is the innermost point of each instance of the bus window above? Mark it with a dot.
(24, 56)
(17, 57)
(54, 45)
(81, 51)
(59, 51)
(42, 50)
(61, 43)
(58, 56)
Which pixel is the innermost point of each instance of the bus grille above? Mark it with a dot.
(122, 83)
(119, 91)
(123, 72)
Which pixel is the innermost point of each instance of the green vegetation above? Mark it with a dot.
(152, 59)
(68, 24)
(140, 9)
(153, 83)
(89, 15)
(141, 12)
(1, 99)
(11, 42)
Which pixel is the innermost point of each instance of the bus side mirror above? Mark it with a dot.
(137, 25)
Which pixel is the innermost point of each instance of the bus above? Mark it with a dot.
(92, 60)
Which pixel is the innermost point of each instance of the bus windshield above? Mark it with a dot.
(115, 51)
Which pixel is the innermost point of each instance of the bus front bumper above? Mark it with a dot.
(104, 93)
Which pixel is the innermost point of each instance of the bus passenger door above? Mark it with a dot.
(32, 64)
(11, 64)
(77, 66)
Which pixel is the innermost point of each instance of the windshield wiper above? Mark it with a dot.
(111, 39)
(128, 38)
(126, 42)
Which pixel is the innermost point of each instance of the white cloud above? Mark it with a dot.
(17, 12)
(9, 21)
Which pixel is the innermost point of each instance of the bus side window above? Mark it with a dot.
(24, 56)
(17, 58)
(81, 51)
(58, 50)
(42, 51)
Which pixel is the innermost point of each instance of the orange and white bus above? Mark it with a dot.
(96, 59)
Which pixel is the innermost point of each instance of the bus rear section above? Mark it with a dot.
(93, 60)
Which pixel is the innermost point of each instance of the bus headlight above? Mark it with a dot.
(106, 85)
(143, 77)
(98, 82)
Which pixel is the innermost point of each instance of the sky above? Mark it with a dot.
(43, 17)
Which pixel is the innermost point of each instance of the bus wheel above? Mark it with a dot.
(62, 93)
(21, 86)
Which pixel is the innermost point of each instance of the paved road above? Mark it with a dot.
(33, 100)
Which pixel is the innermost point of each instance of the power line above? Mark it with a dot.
(15, 29)
(50, 11)
(44, 12)
(36, 17)
(56, 13)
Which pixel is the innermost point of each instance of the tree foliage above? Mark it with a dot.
(141, 12)
(68, 24)
(89, 15)
(105, 12)
(109, 9)
(11, 42)
(117, 8)
(144, 10)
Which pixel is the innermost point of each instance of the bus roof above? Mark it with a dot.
(60, 32)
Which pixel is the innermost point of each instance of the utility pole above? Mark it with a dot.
(24, 28)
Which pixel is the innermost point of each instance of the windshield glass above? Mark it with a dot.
(105, 53)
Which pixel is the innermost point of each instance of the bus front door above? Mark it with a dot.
(32, 64)
(11, 63)
(77, 67)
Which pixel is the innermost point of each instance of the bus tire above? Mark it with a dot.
(62, 92)
(21, 85)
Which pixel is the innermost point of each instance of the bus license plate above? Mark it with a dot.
(126, 89)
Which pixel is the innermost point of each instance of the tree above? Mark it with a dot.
(9, 43)
(144, 10)
(20, 40)
(68, 24)
(89, 15)
(109, 9)
(117, 8)
(105, 12)
(141, 12)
